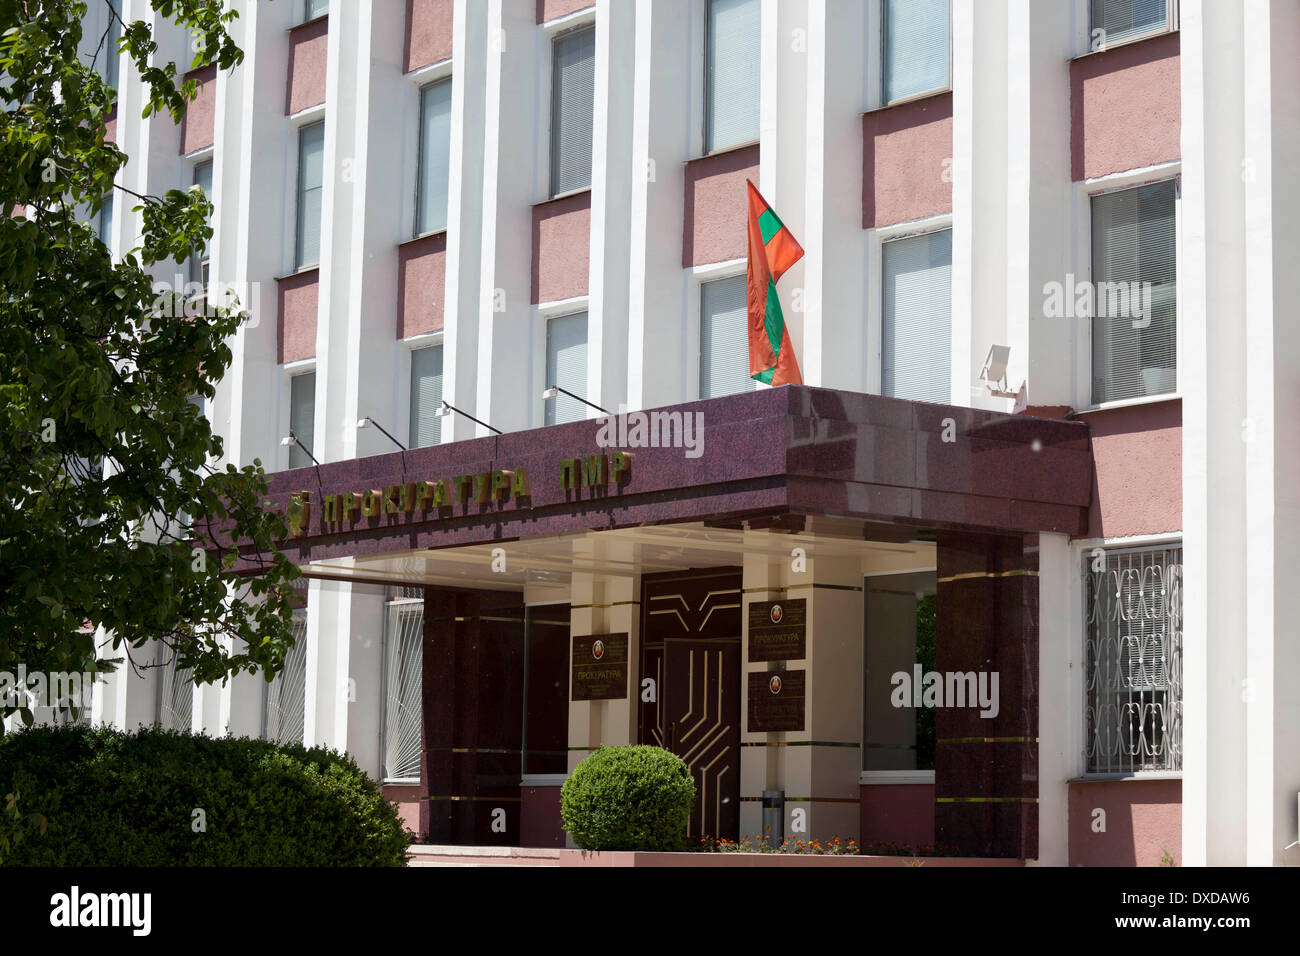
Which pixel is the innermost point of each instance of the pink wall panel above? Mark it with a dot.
(1143, 819)
(897, 813)
(197, 123)
(561, 248)
(713, 228)
(428, 32)
(1125, 108)
(296, 336)
(407, 798)
(1137, 454)
(306, 81)
(421, 283)
(110, 126)
(904, 149)
(539, 817)
(550, 9)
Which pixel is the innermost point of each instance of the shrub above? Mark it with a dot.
(628, 798)
(108, 798)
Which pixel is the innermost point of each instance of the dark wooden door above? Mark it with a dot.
(691, 657)
(701, 711)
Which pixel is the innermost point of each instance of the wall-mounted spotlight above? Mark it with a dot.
(446, 408)
(555, 391)
(367, 422)
(292, 439)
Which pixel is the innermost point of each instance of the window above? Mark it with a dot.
(302, 417)
(199, 258)
(1133, 622)
(724, 339)
(573, 72)
(435, 157)
(914, 48)
(175, 692)
(1114, 20)
(111, 57)
(426, 396)
(284, 700)
(731, 72)
(916, 318)
(315, 8)
(311, 185)
(1134, 271)
(105, 225)
(403, 682)
(566, 367)
(900, 632)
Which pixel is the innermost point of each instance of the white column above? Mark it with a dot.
(1060, 701)
(614, 176)
(1212, 373)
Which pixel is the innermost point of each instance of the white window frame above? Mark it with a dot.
(697, 277)
(297, 122)
(417, 80)
(1082, 29)
(1082, 271)
(545, 60)
(190, 164)
(1077, 701)
(873, 340)
(541, 315)
(405, 348)
(287, 371)
(875, 51)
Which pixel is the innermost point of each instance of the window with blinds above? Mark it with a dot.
(315, 8)
(435, 157)
(566, 367)
(111, 57)
(311, 187)
(105, 225)
(914, 54)
(731, 73)
(285, 698)
(426, 396)
(1134, 274)
(916, 318)
(302, 417)
(199, 258)
(403, 663)
(1121, 19)
(573, 76)
(724, 342)
(1133, 620)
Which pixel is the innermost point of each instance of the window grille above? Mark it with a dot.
(403, 683)
(1134, 628)
(175, 692)
(286, 696)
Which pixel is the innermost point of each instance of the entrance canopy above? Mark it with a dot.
(775, 458)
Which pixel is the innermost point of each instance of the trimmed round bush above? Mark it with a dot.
(628, 798)
(101, 797)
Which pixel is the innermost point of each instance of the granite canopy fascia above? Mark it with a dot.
(793, 450)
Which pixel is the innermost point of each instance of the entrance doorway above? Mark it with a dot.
(690, 655)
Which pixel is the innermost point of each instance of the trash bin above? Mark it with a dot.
(774, 817)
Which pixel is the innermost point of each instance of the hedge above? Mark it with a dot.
(102, 797)
(628, 798)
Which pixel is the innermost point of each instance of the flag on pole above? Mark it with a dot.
(772, 250)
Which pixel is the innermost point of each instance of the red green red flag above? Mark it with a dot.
(772, 250)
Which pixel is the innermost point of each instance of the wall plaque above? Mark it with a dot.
(776, 701)
(778, 630)
(599, 666)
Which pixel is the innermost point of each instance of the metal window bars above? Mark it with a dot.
(1134, 639)
(403, 663)
(285, 698)
(175, 692)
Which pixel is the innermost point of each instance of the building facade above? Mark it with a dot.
(1044, 324)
